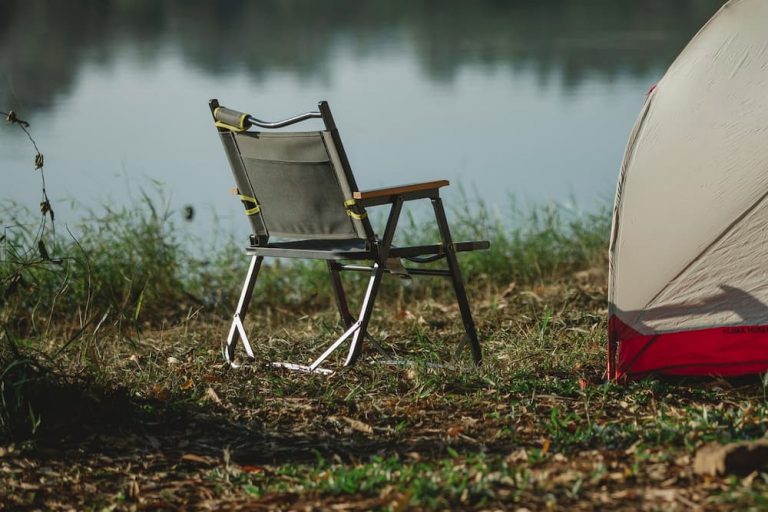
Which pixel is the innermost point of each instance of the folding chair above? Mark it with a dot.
(298, 186)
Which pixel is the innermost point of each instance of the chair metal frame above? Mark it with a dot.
(379, 251)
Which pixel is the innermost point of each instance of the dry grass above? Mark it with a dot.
(155, 421)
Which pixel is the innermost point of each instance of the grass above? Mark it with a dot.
(114, 395)
(131, 264)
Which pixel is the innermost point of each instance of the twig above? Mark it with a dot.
(45, 204)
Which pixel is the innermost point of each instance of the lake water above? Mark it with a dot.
(529, 98)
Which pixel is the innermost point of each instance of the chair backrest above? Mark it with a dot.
(292, 184)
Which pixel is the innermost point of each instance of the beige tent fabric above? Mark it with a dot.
(727, 285)
(689, 244)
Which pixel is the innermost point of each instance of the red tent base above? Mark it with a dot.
(718, 351)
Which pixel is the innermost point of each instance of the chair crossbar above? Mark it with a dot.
(308, 251)
(409, 270)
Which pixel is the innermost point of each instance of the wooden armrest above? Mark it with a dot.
(403, 189)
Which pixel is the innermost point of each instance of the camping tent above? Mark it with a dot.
(688, 285)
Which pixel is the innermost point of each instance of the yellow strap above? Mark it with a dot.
(229, 127)
(222, 124)
(250, 211)
(358, 216)
(349, 204)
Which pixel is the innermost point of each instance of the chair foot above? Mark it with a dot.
(228, 353)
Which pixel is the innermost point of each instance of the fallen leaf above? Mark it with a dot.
(188, 384)
(358, 425)
(353, 423)
(401, 503)
(455, 431)
(251, 469)
(198, 459)
(134, 490)
(567, 476)
(211, 395)
(519, 455)
(441, 307)
(509, 290)
(747, 482)
(159, 392)
(665, 494)
(737, 458)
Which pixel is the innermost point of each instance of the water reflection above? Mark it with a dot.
(534, 98)
(43, 44)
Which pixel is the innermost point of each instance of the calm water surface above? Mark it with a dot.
(527, 98)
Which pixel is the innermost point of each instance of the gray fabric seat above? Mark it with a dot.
(298, 186)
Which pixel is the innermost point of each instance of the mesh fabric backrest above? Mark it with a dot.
(300, 188)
